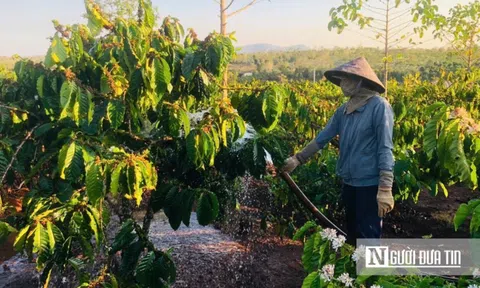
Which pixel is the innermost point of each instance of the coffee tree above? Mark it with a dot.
(122, 114)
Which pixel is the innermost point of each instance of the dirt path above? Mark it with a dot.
(430, 217)
(205, 257)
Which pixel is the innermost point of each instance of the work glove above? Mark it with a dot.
(385, 199)
(290, 164)
(301, 157)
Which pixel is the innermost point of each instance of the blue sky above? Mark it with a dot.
(25, 25)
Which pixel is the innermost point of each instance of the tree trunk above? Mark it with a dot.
(223, 18)
(223, 31)
(385, 64)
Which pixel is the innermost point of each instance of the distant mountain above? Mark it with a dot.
(264, 47)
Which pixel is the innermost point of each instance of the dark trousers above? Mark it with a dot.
(361, 213)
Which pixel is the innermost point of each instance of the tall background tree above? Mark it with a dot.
(228, 10)
(387, 22)
(460, 28)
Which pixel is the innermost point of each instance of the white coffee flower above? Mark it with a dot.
(346, 279)
(476, 273)
(328, 233)
(473, 286)
(338, 242)
(358, 253)
(376, 286)
(327, 272)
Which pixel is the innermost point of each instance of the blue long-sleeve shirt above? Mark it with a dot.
(366, 145)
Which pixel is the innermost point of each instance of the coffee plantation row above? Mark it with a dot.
(129, 114)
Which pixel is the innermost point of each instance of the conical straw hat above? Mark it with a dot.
(360, 68)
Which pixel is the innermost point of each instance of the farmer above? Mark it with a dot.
(365, 127)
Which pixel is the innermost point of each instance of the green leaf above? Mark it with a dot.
(115, 178)
(173, 207)
(475, 222)
(341, 265)
(192, 141)
(130, 257)
(313, 280)
(5, 231)
(188, 198)
(57, 53)
(96, 20)
(76, 45)
(75, 169)
(400, 110)
(51, 236)
(86, 246)
(433, 188)
(272, 107)
(158, 196)
(164, 268)
(303, 230)
(463, 211)
(224, 132)
(94, 226)
(115, 113)
(76, 263)
(88, 157)
(40, 131)
(148, 174)
(76, 223)
(206, 148)
(444, 189)
(55, 236)
(85, 108)
(431, 130)
(308, 254)
(41, 240)
(208, 208)
(68, 89)
(457, 154)
(65, 157)
(149, 16)
(190, 64)
(3, 163)
(40, 85)
(182, 114)
(162, 75)
(138, 191)
(124, 238)
(21, 237)
(155, 270)
(143, 273)
(94, 179)
(213, 59)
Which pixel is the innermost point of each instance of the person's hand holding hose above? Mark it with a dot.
(301, 157)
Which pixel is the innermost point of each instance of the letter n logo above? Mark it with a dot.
(376, 256)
